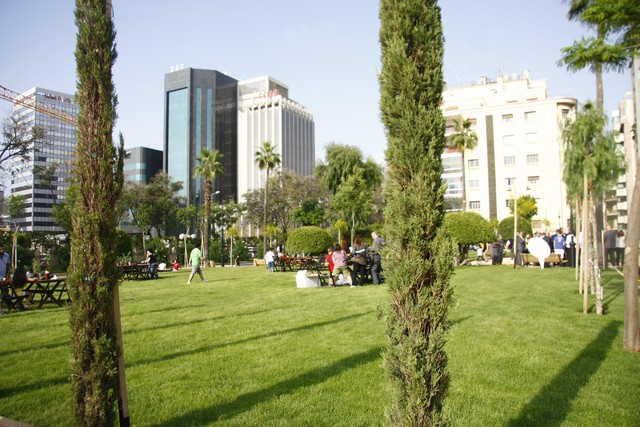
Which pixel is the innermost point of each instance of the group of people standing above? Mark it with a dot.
(614, 243)
(339, 261)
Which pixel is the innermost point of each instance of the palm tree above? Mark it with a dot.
(268, 159)
(463, 138)
(210, 167)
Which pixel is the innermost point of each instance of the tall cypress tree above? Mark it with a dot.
(418, 257)
(98, 184)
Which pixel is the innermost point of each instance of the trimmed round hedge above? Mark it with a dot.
(309, 240)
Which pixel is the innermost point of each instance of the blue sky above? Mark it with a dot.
(326, 52)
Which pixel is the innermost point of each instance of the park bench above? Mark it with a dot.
(552, 259)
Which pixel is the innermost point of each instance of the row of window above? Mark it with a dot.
(532, 159)
(531, 180)
(529, 116)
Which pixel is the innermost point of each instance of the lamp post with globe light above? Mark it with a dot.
(183, 237)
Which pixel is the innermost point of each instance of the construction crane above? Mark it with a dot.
(29, 101)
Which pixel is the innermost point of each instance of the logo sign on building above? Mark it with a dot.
(176, 68)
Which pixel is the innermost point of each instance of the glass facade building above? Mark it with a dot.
(200, 112)
(45, 177)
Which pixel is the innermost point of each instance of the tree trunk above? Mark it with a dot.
(585, 246)
(464, 185)
(266, 205)
(208, 192)
(631, 319)
(578, 245)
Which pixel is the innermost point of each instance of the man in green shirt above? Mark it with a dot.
(195, 259)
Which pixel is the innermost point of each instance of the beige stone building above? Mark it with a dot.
(519, 151)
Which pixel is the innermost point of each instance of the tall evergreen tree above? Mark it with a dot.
(419, 255)
(98, 183)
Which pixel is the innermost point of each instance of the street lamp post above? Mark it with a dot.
(183, 237)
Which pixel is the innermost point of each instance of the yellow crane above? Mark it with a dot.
(29, 101)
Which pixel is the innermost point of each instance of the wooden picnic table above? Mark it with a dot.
(135, 271)
(48, 290)
(293, 262)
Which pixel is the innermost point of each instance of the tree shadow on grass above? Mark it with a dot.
(28, 387)
(243, 341)
(188, 322)
(553, 402)
(245, 402)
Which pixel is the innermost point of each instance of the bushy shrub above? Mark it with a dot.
(466, 228)
(505, 227)
(308, 240)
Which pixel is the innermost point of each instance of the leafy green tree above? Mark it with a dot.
(209, 168)
(505, 227)
(310, 212)
(287, 191)
(467, 228)
(310, 240)
(152, 205)
(267, 159)
(342, 161)
(591, 165)
(419, 254)
(15, 207)
(462, 139)
(98, 179)
(527, 207)
(353, 202)
(596, 53)
(18, 140)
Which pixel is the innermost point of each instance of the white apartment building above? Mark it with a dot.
(265, 113)
(519, 151)
(56, 153)
(618, 200)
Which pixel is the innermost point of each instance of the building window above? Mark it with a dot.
(531, 137)
(565, 113)
(530, 116)
(508, 139)
(532, 158)
(510, 181)
(474, 204)
(473, 183)
(533, 180)
(508, 203)
(509, 160)
(507, 118)
(473, 163)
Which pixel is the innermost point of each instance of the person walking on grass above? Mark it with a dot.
(270, 258)
(195, 259)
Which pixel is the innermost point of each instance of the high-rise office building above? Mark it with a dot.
(45, 178)
(265, 113)
(200, 112)
(519, 149)
(141, 164)
(206, 108)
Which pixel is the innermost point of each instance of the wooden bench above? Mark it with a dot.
(553, 259)
(10, 299)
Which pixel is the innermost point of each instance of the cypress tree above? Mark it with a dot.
(98, 184)
(419, 255)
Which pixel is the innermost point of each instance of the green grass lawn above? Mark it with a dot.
(250, 349)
